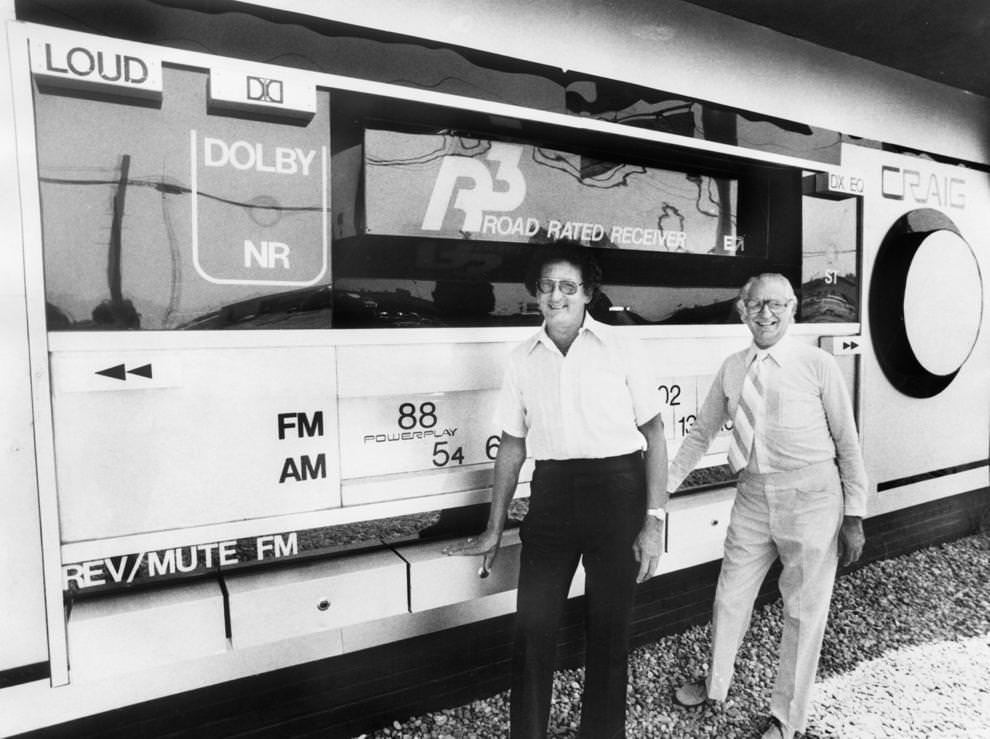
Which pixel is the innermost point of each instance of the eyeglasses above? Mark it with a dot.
(545, 285)
(775, 306)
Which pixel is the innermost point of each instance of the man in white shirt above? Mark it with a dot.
(579, 397)
(801, 495)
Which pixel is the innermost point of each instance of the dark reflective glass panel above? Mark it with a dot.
(179, 218)
(173, 217)
(830, 260)
(436, 228)
(447, 185)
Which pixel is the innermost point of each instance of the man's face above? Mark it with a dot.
(563, 313)
(768, 325)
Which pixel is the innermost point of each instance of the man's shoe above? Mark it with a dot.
(691, 695)
(774, 729)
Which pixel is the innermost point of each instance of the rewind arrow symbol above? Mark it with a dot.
(120, 372)
(116, 372)
(144, 370)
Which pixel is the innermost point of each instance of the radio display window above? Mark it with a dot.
(170, 217)
(451, 186)
(378, 212)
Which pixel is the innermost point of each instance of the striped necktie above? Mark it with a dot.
(749, 414)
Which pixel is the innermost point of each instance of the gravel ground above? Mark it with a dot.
(906, 654)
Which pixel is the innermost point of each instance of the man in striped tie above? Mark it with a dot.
(801, 495)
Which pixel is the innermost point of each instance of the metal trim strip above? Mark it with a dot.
(931, 475)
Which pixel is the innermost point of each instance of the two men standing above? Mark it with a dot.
(581, 400)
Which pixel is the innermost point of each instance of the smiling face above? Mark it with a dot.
(767, 325)
(563, 313)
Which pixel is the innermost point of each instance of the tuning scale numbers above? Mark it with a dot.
(438, 431)
(679, 396)
(388, 435)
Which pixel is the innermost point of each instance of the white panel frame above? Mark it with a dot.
(38, 351)
(22, 586)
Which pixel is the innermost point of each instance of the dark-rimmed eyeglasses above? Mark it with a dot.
(568, 287)
(775, 306)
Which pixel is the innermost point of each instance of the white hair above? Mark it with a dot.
(764, 277)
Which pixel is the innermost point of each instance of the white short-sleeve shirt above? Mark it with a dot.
(585, 404)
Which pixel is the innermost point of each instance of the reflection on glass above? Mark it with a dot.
(657, 110)
(176, 218)
(380, 302)
(173, 217)
(829, 265)
(450, 186)
(449, 223)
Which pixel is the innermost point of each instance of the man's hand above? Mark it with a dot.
(508, 461)
(648, 547)
(851, 540)
(486, 544)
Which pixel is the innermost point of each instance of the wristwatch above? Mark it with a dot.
(658, 513)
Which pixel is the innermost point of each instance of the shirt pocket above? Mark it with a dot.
(796, 410)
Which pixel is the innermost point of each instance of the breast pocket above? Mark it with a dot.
(796, 410)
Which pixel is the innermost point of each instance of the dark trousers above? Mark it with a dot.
(590, 510)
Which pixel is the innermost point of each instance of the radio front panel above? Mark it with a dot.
(926, 369)
(163, 439)
(278, 305)
(206, 197)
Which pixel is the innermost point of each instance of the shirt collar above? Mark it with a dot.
(589, 325)
(779, 352)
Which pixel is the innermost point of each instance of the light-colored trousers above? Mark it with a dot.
(794, 515)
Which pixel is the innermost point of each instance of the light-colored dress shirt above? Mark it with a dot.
(585, 404)
(808, 418)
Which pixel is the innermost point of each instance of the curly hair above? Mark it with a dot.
(572, 252)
